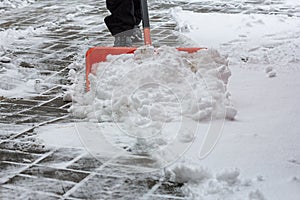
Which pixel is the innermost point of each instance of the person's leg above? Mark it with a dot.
(122, 16)
(137, 12)
(137, 35)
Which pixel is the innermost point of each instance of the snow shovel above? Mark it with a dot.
(98, 54)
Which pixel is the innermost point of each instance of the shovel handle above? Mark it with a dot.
(146, 22)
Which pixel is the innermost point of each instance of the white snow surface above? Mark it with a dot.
(253, 39)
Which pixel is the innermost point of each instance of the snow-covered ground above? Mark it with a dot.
(263, 141)
(256, 40)
(19, 76)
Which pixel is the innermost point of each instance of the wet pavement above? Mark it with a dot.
(30, 170)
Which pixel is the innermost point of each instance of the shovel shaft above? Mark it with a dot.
(146, 22)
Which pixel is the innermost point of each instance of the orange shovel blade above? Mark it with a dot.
(98, 54)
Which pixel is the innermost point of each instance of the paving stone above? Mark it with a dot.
(46, 111)
(60, 157)
(28, 119)
(11, 108)
(42, 98)
(20, 102)
(17, 194)
(137, 161)
(115, 169)
(17, 157)
(26, 146)
(9, 169)
(110, 187)
(60, 174)
(7, 130)
(40, 184)
(86, 163)
(17, 118)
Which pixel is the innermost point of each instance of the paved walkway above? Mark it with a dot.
(29, 170)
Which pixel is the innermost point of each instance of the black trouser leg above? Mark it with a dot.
(122, 16)
(137, 11)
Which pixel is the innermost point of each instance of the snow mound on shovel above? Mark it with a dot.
(156, 86)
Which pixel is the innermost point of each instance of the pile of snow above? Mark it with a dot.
(153, 87)
(202, 183)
